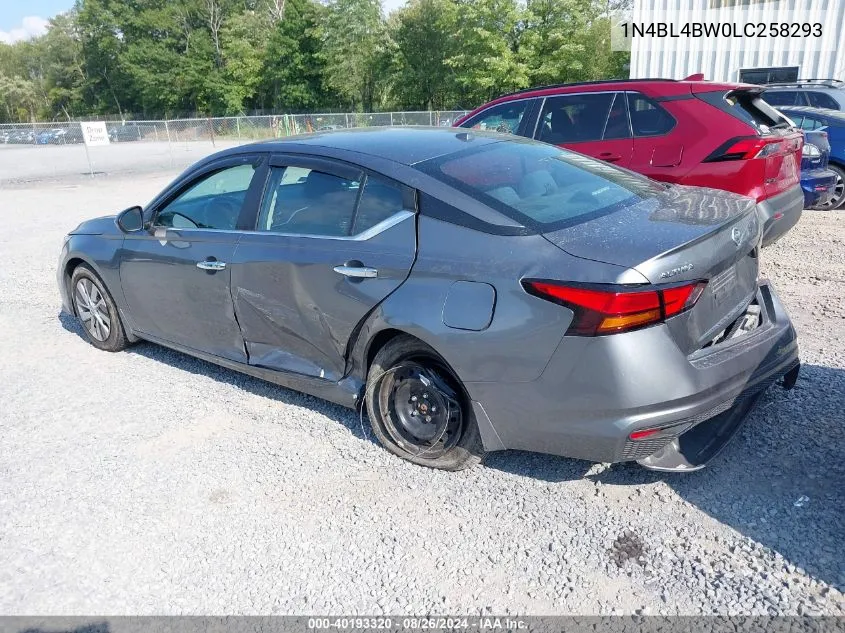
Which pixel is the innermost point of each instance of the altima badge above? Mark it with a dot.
(736, 235)
(676, 271)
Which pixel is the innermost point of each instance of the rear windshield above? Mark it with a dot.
(747, 106)
(540, 185)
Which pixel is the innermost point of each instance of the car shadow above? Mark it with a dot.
(336, 413)
(780, 481)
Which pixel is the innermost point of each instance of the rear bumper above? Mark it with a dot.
(780, 213)
(595, 392)
(818, 186)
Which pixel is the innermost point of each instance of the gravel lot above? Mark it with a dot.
(147, 482)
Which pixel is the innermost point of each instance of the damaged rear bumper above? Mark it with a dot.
(628, 397)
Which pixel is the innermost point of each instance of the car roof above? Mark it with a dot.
(656, 88)
(403, 145)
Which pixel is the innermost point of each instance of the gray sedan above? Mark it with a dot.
(473, 292)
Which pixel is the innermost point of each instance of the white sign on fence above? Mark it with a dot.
(95, 133)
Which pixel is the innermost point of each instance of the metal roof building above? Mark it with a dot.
(744, 49)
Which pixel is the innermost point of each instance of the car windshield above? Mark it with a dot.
(540, 185)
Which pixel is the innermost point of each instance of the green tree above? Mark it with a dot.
(423, 33)
(354, 49)
(485, 62)
(292, 71)
(18, 99)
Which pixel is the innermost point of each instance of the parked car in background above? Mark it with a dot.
(124, 132)
(817, 180)
(688, 132)
(816, 93)
(832, 122)
(60, 136)
(472, 290)
(21, 136)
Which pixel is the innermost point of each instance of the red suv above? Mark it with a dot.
(689, 132)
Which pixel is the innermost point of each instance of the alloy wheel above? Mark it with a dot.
(838, 195)
(92, 309)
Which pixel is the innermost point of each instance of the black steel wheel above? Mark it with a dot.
(418, 409)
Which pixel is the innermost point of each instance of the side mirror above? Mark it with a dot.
(131, 220)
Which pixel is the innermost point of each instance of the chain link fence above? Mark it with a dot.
(37, 151)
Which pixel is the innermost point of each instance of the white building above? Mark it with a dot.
(744, 50)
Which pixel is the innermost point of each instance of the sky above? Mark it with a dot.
(23, 19)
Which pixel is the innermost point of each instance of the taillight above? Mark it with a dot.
(747, 147)
(599, 311)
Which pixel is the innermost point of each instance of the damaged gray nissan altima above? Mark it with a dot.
(474, 292)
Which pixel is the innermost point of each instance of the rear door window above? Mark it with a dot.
(647, 117)
(822, 100)
(782, 97)
(809, 123)
(380, 200)
(304, 201)
(576, 118)
(747, 106)
(504, 117)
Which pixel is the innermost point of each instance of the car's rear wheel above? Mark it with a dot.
(418, 409)
(96, 311)
(838, 199)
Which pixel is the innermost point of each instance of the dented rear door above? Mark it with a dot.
(330, 244)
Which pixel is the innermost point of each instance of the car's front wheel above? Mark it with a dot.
(418, 409)
(96, 310)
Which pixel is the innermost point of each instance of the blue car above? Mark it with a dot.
(817, 181)
(832, 122)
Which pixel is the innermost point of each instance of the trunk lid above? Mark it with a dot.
(683, 234)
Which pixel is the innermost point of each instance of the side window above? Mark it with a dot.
(380, 199)
(647, 117)
(214, 202)
(504, 117)
(822, 100)
(618, 125)
(809, 124)
(574, 118)
(780, 97)
(308, 202)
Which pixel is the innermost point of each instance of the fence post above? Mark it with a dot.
(169, 144)
(346, 115)
(87, 152)
(391, 119)
(238, 125)
(430, 117)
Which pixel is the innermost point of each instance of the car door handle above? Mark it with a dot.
(361, 272)
(610, 157)
(211, 264)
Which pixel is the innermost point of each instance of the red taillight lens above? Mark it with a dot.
(745, 148)
(611, 311)
(680, 298)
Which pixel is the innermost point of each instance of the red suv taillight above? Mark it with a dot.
(747, 147)
(609, 311)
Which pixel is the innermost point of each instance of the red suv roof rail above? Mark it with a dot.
(584, 83)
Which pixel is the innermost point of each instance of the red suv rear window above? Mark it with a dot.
(747, 106)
